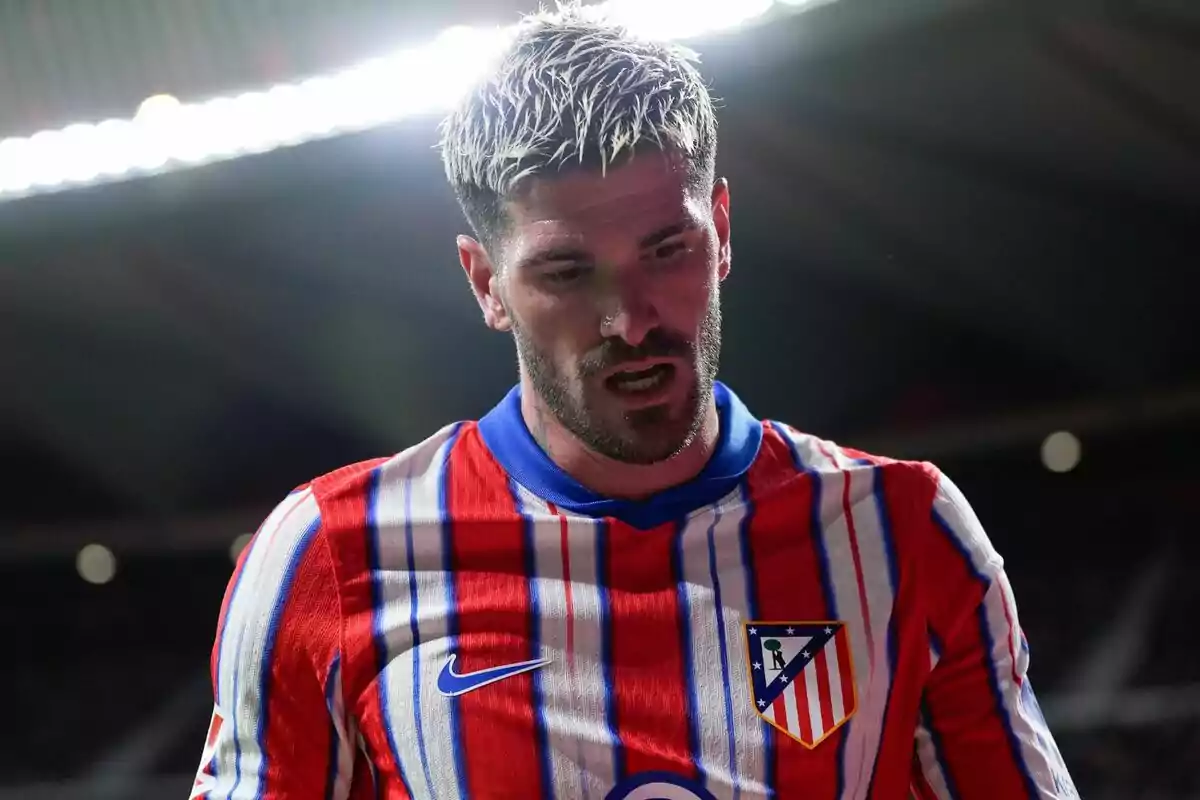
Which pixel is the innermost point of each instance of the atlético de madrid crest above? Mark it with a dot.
(801, 677)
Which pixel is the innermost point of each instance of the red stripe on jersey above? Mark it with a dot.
(295, 699)
(824, 690)
(495, 621)
(779, 710)
(344, 498)
(907, 638)
(648, 679)
(786, 563)
(363, 786)
(975, 747)
(803, 716)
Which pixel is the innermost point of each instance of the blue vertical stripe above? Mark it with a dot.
(730, 727)
(378, 635)
(771, 779)
(889, 548)
(606, 648)
(264, 686)
(684, 616)
(456, 725)
(331, 774)
(797, 459)
(1014, 745)
(535, 645)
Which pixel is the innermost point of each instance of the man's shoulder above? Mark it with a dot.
(355, 482)
(812, 453)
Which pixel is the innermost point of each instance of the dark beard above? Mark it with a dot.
(649, 439)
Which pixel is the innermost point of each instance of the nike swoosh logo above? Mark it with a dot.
(452, 684)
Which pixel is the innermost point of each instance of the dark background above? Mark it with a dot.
(958, 228)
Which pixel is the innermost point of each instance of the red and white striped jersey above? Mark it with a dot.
(465, 621)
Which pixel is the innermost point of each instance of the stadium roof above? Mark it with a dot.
(954, 210)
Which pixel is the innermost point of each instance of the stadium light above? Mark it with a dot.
(167, 135)
(96, 564)
(1061, 452)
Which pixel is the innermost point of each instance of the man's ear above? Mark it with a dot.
(720, 213)
(485, 283)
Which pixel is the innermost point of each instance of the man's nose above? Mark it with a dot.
(628, 312)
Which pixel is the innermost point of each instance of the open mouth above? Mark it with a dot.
(641, 381)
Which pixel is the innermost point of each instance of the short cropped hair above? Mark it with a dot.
(573, 90)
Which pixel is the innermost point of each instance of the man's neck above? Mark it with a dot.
(617, 479)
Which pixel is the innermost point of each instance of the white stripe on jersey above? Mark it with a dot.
(574, 693)
(870, 658)
(272, 554)
(727, 539)
(721, 525)
(812, 696)
(791, 709)
(1039, 754)
(407, 508)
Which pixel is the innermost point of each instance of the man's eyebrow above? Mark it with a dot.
(574, 253)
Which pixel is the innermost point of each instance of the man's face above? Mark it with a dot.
(610, 285)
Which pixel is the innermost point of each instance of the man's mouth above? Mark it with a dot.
(638, 381)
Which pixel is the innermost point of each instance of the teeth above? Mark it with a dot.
(639, 384)
(641, 380)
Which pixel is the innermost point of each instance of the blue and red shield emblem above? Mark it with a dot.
(801, 677)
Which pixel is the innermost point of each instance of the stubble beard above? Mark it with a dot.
(646, 436)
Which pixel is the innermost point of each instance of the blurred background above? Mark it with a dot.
(966, 231)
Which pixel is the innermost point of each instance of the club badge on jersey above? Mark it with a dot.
(801, 677)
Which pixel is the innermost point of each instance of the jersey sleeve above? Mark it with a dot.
(981, 733)
(279, 730)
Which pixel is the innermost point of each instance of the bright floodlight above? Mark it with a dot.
(157, 105)
(96, 564)
(684, 19)
(805, 4)
(1061, 452)
(166, 134)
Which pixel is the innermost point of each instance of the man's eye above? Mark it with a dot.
(567, 275)
(668, 251)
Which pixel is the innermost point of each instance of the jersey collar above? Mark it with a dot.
(504, 432)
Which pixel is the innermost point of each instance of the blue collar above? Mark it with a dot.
(504, 432)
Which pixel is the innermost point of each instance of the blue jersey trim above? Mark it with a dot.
(504, 432)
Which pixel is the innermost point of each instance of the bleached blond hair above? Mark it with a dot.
(573, 90)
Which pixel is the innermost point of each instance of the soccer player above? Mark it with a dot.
(618, 583)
